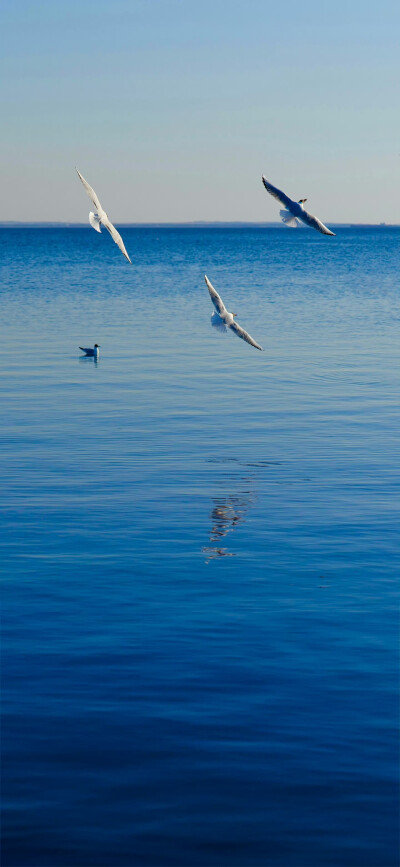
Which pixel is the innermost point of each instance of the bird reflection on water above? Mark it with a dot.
(226, 514)
(88, 359)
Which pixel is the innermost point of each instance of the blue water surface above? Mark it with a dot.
(200, 548)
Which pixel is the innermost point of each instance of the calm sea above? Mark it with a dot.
(201, 549)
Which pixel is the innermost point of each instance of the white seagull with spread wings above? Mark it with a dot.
(100, 218)
(294, 211)
(228, 318)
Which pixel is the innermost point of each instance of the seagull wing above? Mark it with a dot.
(244, 335)
(88, 350)
(91, 193)
(116, 237)
(314, 223)
(277, 194)
(215, 298)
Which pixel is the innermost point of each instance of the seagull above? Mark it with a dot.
(91, 353)
(100, 218)
(294, 211)
(228, 318)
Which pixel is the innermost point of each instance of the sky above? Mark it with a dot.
(173, 109)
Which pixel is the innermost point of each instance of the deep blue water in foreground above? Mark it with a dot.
(201, 550)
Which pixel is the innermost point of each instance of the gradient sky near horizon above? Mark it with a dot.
(172, 109)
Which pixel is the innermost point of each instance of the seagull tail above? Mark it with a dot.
(288, 219)
(94, 222)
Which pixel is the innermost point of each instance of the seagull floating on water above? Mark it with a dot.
(91, 353)
(100, 218)
(229, 318)
(294, 211)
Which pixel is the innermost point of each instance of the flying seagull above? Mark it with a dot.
(100, 218)
(228, 318)
(294, 211)
(91, 353)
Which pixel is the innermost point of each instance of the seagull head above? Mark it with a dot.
(97, 346)
(301, 201)
(234, 314)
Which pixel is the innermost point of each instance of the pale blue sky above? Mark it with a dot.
(172, 109)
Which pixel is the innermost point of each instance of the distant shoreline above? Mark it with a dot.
(200, 224)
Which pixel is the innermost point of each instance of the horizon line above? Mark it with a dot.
(188, 223)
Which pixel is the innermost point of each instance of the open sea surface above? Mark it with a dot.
(201, 552)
